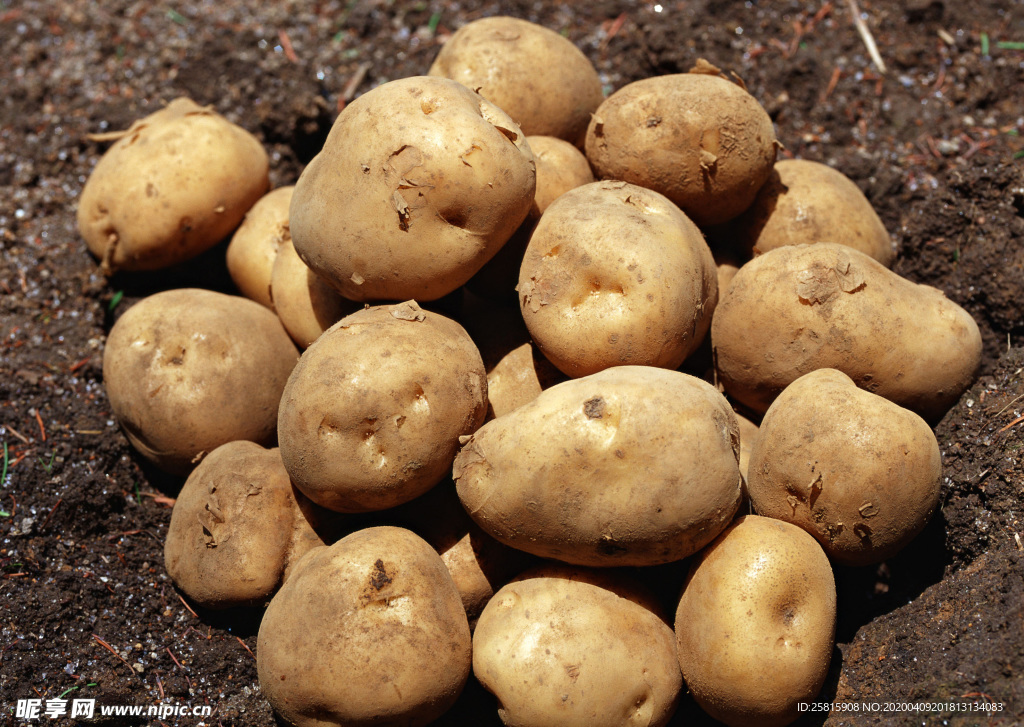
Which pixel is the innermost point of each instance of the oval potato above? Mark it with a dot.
(631, 466)
(253, 247)
(804, 307)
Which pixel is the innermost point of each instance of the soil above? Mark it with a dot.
(935, 144)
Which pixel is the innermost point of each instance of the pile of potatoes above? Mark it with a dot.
(526, 388)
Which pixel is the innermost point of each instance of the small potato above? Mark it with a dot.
(369, 631)
(756, 623)
(188, 370)
(372, 415)
(859, 473)
(538, 77)
(748, 435)
(805, 307)
(237, 528)
(173, 185)
(616, 275)
(804, 202)
(306, 305)
(631, 466)
(479, 564)
(563, 647)
(560, 167)
(254, 245)
(699, 139)
(421, 181)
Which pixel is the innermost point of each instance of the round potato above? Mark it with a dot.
(538, 77)
(306, 305)
(254, 245)
(369, 631)
(616, 275)
(421, 181)
(237, 528)
(560, 167)
(804, 202)
(188, 370)
(748, 435)
(859, 473)
(699, 139)
(175, 183)
(756, 623)
(372, 415)
(562, 647)
(805, 307)
(631, 466)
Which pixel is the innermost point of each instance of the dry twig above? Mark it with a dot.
(865, 35)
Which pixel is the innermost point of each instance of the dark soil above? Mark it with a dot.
(87, 609)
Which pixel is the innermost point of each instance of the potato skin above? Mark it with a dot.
(253, 247)
(631, 466)
(236, 528)
(859, 473)
(369, 631)
(538, 77)
(175, 184)
(755, 625)
(420, 182)
(616, 275)
(372, 415)
(564, 647)
(188, 370)
(805, 307)
(805, 202)
(698, 139)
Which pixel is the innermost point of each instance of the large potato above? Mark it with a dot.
(538, 77)
(189, 370)
(372, 415)
(859, 473)
(616, 275)
(254, 245)
(562, 647)
(369, 631)
(804, 202)
(174, 184)
(560, 167)
(631, 466)
(700, 140)
(237, 528)
(805, 307)
(421, 181)
(756, 623)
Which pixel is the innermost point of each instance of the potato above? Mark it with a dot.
(699, 139)
(369, 631)
(616, 275)
(560, 167)
(804, 202)
(562, 647)
(859, 473)
(756, 623)
(631, 466)
(372, 415)
(306, 305)
(254, 245)
(175, 183)
(805, 307)
(237, 528)
(538, 77)
(421, 181)
(188, 370)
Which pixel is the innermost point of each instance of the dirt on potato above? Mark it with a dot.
(935, 143)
